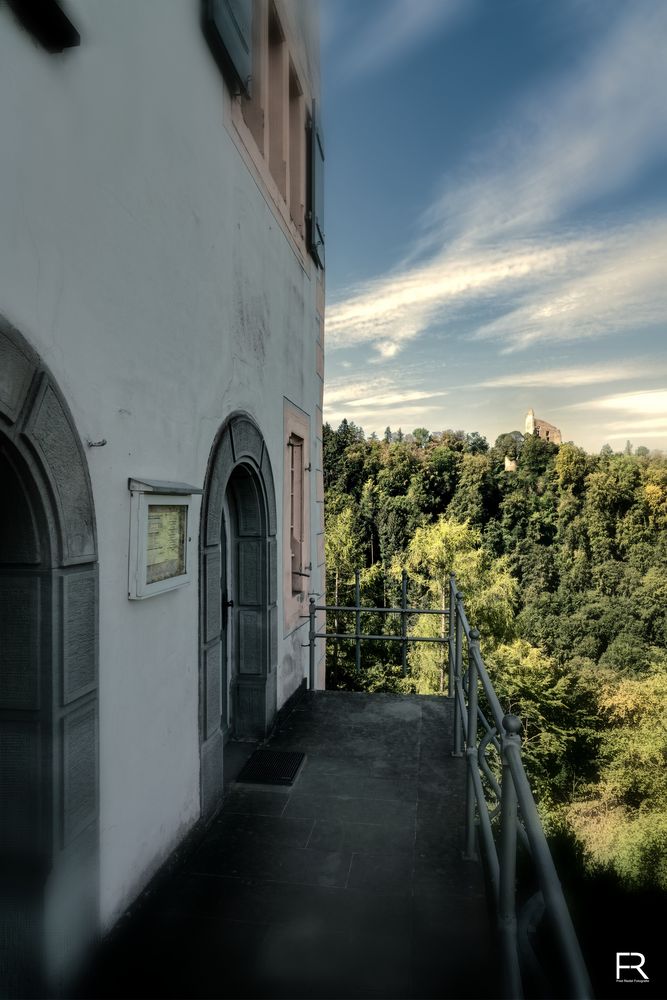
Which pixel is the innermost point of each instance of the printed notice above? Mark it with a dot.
(165, 549)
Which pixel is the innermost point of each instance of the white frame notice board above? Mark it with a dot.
(161, 534)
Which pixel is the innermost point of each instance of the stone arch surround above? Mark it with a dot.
(239, 448)
(49, 610)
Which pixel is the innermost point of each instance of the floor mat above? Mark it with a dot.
(272, 767)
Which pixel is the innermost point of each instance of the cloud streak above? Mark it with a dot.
(401, 28)
(395, 309)
(651, 402)
(386, 399)
(572, 377)
(642, 414)
(489, 241)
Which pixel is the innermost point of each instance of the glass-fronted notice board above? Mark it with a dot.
(160, 536)
(166, 541)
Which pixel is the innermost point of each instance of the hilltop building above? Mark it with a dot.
(543, 429)
(161, 367)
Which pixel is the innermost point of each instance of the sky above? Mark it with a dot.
(496, 216)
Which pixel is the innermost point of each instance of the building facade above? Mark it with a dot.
(541, 428)
(161, 368)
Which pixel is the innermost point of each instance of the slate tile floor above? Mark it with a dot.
(349, 884)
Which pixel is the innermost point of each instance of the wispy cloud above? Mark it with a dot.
(393, 398)
(579, 139)
(619, 287)
(401, 28)
(489, 239)
(390, 311)
(561, 378)
(651, 402)
(633, 414)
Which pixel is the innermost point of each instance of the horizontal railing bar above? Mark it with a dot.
(388, 638)
(382, 611)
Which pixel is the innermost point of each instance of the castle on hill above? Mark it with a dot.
(541, 428)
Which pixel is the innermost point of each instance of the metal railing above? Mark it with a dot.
(511, 817)
(513, 810)
(403, 610)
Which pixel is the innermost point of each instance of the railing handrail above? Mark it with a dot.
(515, 795)
(382, 611)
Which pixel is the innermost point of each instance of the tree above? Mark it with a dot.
(556, 705)
(475, 444)
(508, 444)
(622, 820)
(343, 552)
(475, 498)
(421, 436)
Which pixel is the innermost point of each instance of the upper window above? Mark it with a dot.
(252, 48)
(228, 28)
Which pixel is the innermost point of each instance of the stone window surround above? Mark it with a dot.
(296, 424)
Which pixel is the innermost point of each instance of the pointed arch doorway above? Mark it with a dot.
(238, 592)
(49, 868)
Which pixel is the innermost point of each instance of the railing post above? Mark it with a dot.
(443, 636)
(404, 624)
(452, 622)
(311, 645)
(471, 745)
(357, 619)
(507, 924)
(458, 676)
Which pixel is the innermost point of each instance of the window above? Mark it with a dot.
(296, 511)
(278, 82)
(296, 157)
(296, 515)
(228, 30)
(274, 114)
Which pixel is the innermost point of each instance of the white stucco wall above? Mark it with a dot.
(140, 258)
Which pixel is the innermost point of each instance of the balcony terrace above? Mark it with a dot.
(350, 883)
(406, 858)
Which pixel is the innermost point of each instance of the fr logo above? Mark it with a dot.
(633, 961)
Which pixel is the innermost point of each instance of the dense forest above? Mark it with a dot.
(561, 556)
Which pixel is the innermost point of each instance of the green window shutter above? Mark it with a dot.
(228, 29)
(47, 23)
(316, 191)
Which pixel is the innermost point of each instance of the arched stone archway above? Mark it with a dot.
(48, 680)
(238, 594)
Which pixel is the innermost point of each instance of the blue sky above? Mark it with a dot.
(496, 216)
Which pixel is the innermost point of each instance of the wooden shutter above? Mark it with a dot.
(228, 28)
(316, 192)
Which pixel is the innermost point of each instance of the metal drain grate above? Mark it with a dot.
(272, 767)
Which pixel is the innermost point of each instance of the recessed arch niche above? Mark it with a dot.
(238, 594)
(49, 855)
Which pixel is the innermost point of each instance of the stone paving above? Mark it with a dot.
(349, 884)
